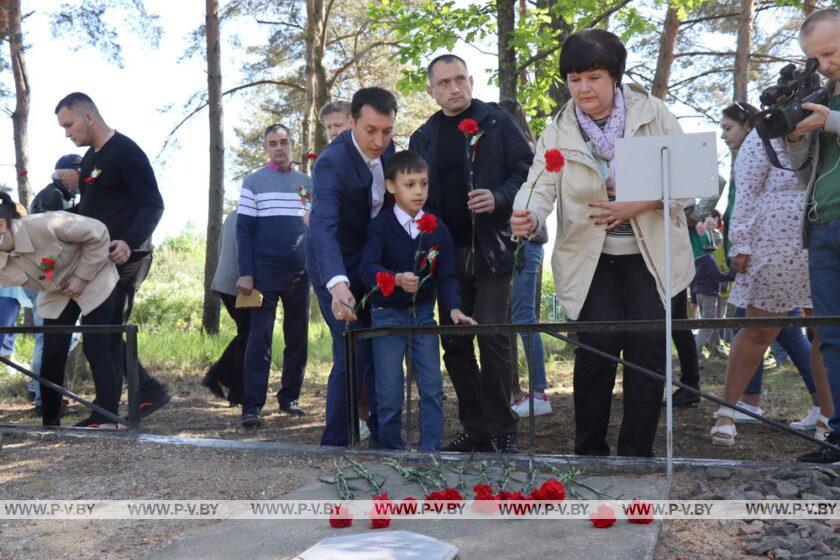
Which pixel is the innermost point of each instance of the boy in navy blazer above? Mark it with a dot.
(419, 251)
(348, 190)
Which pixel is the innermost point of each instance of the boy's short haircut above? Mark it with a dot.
(406, 161)
(342, 107)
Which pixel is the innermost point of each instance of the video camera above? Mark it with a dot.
(781, 104)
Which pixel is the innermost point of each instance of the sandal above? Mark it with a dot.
(821, 429)
(728, 430)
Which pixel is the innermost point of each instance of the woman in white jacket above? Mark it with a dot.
(608, 259)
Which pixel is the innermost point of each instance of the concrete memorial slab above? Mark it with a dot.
(511, 539)
(388, 545)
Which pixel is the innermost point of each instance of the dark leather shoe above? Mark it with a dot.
(292, 408)
(214, 386)
(464, 443)
(504, 443)
(152, 403)
(683, 399)
(250, 419)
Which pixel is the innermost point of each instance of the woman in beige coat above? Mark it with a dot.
(65, 257)
(608, 259)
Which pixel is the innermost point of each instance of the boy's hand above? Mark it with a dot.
(459, 318)
(408, 281)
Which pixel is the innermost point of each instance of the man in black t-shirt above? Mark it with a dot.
(117, 187)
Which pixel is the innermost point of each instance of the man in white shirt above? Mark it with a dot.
(349, 189)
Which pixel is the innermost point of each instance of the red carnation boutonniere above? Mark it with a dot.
(47, 265)
(311, 156)
(93, 175)
(305, 198)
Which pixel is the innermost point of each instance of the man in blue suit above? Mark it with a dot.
(349, 189)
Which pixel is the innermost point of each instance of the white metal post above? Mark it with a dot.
(666, 221)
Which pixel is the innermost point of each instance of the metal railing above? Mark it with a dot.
(558, 330)
(131, 367)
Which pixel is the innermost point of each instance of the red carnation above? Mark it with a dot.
(447, 494)
(504, 495)
(603, 517)
(341, 518)
(379, 515)
(640, 512)
(483, 492)
(554, 161)
(48, 261)
(385, 281)
(551, 491)
(468, 126)
(427, 223)
(311, 155)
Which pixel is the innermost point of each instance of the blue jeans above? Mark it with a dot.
(523, 301)
(9, 309)
(824, 268)
(388, 355)
(798, 348)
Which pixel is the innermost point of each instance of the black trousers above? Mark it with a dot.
(131, 276)
(97, 351)
(622, 289)
(483, 393)
(685, 343)
(228, 369)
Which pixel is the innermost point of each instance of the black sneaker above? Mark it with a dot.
(824, 455)
(683, 399)
(504, 443)
(464, 443)
(251, 419)
(293, 408)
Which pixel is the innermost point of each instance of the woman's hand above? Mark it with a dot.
(74, 287)
(614, 214)
(741, 263)
(523, 223)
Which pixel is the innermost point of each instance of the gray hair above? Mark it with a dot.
(820, 16)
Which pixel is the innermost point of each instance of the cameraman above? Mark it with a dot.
(819, 38)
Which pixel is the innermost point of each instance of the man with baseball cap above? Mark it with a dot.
(61, 192)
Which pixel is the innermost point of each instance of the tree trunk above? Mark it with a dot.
(808, 7)
(558, 92)
(742, 52)
(505, 22)
(667, 44)
(20, 117)
(315, 78)
(216, 196)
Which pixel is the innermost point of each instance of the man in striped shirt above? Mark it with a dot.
(271, 241)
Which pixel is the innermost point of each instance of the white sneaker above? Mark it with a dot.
(541, 405)
(740, 418)
(364, 431)
(809, 422)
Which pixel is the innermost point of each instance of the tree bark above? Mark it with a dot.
(742, 51)
(216, 195)
(315, 79)
(505, 22)
(20, 117)
(667, 45)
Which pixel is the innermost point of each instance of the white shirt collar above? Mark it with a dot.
(405, 220)
(366, 158)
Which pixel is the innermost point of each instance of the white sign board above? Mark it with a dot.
(380, 545)
(692, 164)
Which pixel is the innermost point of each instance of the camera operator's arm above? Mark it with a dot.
(798, 142)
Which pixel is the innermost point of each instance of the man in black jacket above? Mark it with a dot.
(473, 179)
(118, 188)
(62, 191)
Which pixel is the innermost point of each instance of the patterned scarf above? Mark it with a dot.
(604, 140)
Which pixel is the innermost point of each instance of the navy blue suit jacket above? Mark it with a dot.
(341, 204)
